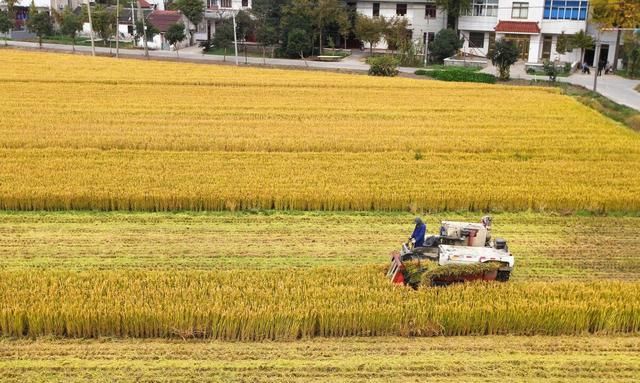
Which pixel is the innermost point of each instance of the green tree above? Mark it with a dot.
(632, 54)
(103, 23)
(193, 10)
(564, 44)
(174, 35)
(454, 9)
(583, 41)
(298, 43)
(267, 15)
(616, 14)
(325, 12)
(244, 24)
(370, 30)
(296, 17)
(5, 24)
(70, 25)
(396, 33)
(344, 27)
(445, 44)
(223, 38)
(504, 54)
(39, 23)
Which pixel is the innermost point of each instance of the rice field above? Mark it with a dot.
(381, 359)
(181, 222)
(164, 137)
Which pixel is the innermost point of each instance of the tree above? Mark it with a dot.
(583, 41)
(503, 56)
(5, 24)
(370, 30)
(445, 44)
(224, 36)
(396, 32)
(39, 23)
(244, 24)
(267, 15)
(149, 33)
(454, 9)
(632, 54)
(70, 25)
(616, 14)
(325, 12)
(344, 27)
(193, 10)
(103, 23)
(298, 43)
(564, 44)
(174, 35)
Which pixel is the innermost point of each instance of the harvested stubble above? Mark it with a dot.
(278, 139)
(291, 304)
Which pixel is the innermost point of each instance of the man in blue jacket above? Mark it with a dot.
(419, 233)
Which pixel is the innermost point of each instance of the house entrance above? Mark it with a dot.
(522, 42)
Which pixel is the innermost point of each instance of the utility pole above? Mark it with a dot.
(93, 44)
(596, 64)
(144, 30)
(117, 28)
(235, 34)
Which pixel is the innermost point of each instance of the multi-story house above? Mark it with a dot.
(425, 19)
(534, 25)
(215, 11)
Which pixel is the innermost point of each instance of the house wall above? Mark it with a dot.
(419, 24)
(215, 11)
(535, 13)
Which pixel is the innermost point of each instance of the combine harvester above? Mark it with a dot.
(462, 252)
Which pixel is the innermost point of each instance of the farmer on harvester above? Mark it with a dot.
(418, 233)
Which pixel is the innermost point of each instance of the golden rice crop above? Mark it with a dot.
(290, 304)
(95, 133)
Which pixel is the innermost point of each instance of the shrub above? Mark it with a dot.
(383, 66)
(445, 44)
(459, 75)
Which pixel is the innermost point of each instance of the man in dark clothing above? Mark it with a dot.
(601, 66)
(419, 233)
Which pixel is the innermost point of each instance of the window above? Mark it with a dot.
(483, 8)
(476, 40)
(565, 10)
(520, 11)
(245, 3)
(430, 11)
(401, 9)
(376, 9)
(225, 3)
(212, 3)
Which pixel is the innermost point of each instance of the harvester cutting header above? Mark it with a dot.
(462, 251)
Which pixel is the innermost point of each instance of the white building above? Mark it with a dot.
(215, 11)
(425, 20)
(533, 25)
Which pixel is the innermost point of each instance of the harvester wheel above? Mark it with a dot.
(503, 275)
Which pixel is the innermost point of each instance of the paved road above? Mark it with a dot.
(616, 88)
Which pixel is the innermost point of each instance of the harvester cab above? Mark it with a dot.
(461, 251)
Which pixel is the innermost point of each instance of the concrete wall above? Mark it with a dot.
(418, 23)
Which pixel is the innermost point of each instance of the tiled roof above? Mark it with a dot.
(528, 27)
(144, 4)
(164, 19)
